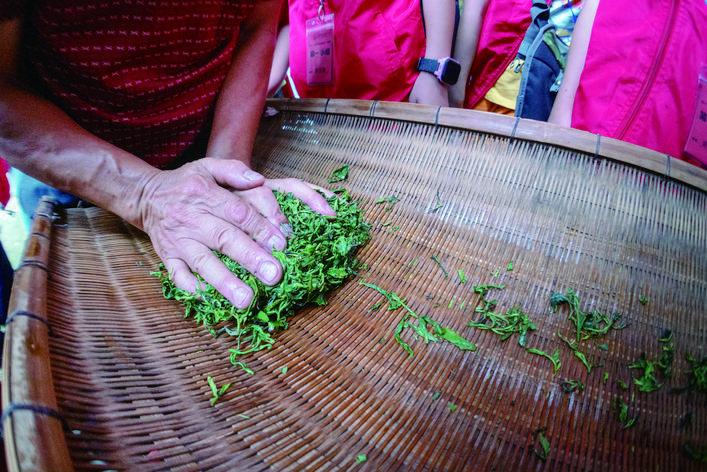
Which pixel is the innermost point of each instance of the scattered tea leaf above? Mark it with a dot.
(215, 391)
(544, 450)
(555, 358)
(391, 200)
(697, 373)
(666, 336)
(569, 386)
(698, 454)
(426, 328)
(436, 259)
(340, 174)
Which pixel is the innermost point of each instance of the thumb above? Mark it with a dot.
(232, 173)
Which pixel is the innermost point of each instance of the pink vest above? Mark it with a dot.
(376, 48)
(640, 77)
(502, 31)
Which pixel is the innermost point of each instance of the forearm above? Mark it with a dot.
(439, 27)
(561, 113)
(242, 97)
(465, 46)
(439, 30)
(281, 60)
(42, 141)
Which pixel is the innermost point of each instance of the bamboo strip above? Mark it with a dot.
(34, 440)
(507, 126)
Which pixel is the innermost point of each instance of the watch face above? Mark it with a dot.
(450, 72)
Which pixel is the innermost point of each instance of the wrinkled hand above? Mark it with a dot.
(222, 205)
(429, 91)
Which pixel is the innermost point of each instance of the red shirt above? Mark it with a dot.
(142, 75)
(376, 48)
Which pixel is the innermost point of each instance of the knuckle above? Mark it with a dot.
(199, 262)
(222, 237)
(195, 184)
(242, 214)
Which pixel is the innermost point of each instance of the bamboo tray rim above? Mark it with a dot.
(36, 257)
(655, 162)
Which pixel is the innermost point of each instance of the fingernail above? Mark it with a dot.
(252, 175)
(277, 243)
(242, 297)
(286, 229)
(268, 271)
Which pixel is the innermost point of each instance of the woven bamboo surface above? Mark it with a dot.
(128, 371)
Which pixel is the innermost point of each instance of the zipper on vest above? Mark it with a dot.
(655, 66)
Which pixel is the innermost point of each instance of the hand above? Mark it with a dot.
(429, 91)
(190, 211)
(263, 200)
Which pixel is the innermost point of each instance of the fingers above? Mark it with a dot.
(264, 202)
(232, 173)
(305, 192)
(200, 259)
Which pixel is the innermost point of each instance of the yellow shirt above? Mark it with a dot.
(505, 91)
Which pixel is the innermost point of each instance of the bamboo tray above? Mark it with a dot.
(101, 373)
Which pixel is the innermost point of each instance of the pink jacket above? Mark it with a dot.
(640, 76)
(377, 45)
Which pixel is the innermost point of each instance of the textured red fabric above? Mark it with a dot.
(376, 48)
(641, 72)
(502, 31)
(141, 75)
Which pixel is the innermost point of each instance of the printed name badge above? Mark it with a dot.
(696, 145)
(320, 50)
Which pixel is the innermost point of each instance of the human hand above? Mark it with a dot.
(429, 91)
(263, 199)
(221, 205)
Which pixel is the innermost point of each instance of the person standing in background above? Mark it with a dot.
(633, 72)
(366, 49)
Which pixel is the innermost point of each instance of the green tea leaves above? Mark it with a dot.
(319, 257)
(426, 328)
(452, 337)
(555, 358)
(390, 200)
(542, 446)
(215, 391)
(697, 374)
(339, 175)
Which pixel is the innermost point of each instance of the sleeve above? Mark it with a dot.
(11, 9)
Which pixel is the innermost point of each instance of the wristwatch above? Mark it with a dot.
(446, 69)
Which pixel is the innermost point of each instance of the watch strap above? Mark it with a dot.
(428, 65)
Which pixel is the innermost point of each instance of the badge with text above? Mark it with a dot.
(320, 50)
(696, 145)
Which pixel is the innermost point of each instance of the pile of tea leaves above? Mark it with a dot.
(320, 256)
